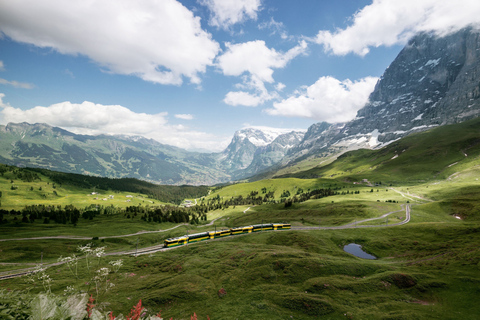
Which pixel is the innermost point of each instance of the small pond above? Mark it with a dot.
(357, 251)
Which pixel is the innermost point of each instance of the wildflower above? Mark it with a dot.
(90, 306)
(99, 252)
(101, 276)
(69, 290)
(87, 250)
(116, 264)
(136, 311)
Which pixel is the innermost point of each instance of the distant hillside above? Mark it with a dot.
(43, 146)
(434, 154)
(168, 194)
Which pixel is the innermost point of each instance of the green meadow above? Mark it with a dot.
(428, 268)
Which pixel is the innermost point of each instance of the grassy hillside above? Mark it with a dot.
(22, 187)
(426, 269)
(433, 154)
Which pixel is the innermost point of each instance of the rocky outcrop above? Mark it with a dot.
(252, 150)
(433, 81)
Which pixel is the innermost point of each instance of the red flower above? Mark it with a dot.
(112, 317)
(136, 311)
(90, 306)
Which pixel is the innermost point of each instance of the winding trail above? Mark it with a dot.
(157, 248)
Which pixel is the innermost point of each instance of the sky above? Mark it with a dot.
(189, 73)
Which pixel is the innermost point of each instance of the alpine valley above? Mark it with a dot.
(434, 81)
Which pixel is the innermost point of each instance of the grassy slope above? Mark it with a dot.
(427, 269)
(42, 192)
(424, 271)
(433, 154)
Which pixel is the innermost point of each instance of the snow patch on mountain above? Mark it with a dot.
(262, 136)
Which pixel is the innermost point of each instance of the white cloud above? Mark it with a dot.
(90, 118)
(280, 86)
(184, 116)
(258, 62)
(256, 58)
(390, 22)
(158, 41)
(229, 12)
(328, 99)
(242, 98)
(2, 67)
(16, 84)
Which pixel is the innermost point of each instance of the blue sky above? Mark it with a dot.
(189, 73)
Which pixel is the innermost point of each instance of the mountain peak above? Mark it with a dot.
(260, 136)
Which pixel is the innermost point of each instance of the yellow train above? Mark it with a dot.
(178, 241)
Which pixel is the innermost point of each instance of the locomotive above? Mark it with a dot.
(178, 241)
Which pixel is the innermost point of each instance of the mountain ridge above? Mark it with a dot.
(432, 82)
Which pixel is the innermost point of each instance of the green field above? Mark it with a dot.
(428, 268)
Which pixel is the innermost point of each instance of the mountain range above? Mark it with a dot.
(433, 81)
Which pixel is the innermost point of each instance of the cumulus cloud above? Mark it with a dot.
(256, 63)
(158, 41)
(256, 58)
(390, 22)
(184, 116)
(246, 99)
(92, 119)
(328, 99)
(229, 12)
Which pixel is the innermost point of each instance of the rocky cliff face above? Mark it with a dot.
(272, 153)
(253, 150)
(433, 81)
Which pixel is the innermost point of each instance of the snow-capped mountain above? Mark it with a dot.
(268, 145)
(433, 81)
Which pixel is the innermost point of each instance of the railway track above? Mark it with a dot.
(159, 248)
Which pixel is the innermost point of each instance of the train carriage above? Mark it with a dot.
(198, 237)
(240, 230)
(173, 242)
(219, 234)
(262, 227)
(281, 226)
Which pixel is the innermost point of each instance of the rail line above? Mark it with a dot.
(158, 248)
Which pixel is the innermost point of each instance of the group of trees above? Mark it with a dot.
(19, 173)
(310, 194)
(58, 214)
(71, 214)
(167, 214)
